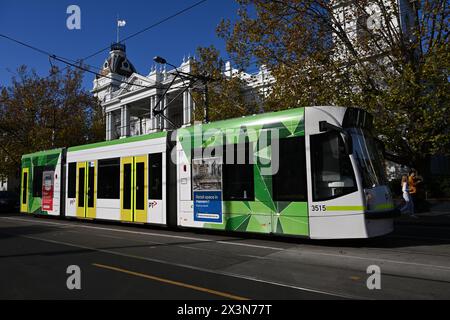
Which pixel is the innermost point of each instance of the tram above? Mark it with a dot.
(314, 172)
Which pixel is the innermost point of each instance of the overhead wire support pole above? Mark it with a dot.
(191, 77)
(205, 80)
(118, 29)
(161, 112)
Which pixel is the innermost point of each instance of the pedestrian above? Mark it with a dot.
(408, 208)
(413, 181)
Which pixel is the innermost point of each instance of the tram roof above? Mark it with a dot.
(257, 120)
(151, 136)
(42, 153)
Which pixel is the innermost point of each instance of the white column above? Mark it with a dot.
(154, 119)
(166, 113)
(190, 110)
(109, 126)
(125, 121)
(150, 126)
(185, 108)
(191, 106)
(121, 121)
(158, 118)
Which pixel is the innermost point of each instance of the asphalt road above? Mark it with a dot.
(128, 262)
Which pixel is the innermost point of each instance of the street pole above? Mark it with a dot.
(184, 75)
(206, 109)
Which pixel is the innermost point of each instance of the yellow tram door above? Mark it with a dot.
(24, 190)
(81, 190)
(140, 189)
(126, 189)
(91, 190)
(134, 188)
(86, 189)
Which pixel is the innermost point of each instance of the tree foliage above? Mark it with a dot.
(399, 74)
(44, 113)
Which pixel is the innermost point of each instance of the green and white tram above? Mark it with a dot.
(314, 172)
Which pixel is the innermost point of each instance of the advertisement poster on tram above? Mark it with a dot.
(47, 190)
(207, 186)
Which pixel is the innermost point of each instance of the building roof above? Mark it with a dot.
(117, 62)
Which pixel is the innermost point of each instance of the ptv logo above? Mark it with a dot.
(153, 204)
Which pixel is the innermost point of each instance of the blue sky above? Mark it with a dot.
(43, 24)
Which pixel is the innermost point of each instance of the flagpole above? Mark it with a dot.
(118, 31)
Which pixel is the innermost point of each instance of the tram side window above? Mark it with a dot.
(155, 166)
(238, 179)
(108, 185)
(37, 181)
(332, 170)
(289, 184)
(25, 188)
(72, 182)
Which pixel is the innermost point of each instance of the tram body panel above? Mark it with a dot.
(110, 161)
(41, 178)
(184, 194)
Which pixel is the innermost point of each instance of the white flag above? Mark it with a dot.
(121, 23)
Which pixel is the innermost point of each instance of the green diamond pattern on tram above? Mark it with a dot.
(263, 215)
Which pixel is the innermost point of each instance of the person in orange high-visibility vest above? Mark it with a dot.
(413, 182)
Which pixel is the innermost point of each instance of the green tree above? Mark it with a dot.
(39, 113)
(399, 74)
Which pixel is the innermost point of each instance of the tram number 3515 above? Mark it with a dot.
(319, 208)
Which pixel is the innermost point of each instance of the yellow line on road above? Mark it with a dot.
(175, 283)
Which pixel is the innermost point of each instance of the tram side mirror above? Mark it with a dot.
(324, 126)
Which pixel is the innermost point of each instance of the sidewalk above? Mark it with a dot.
(441, 219)
(439, 215)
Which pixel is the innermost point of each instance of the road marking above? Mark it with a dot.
(216, 272)
(148, 234)
(250, 245)
(175, 283)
